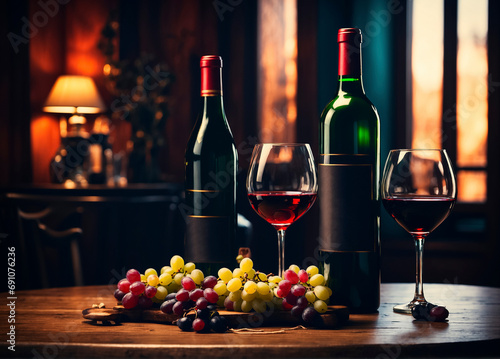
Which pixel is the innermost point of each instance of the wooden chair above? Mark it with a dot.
(43, 236)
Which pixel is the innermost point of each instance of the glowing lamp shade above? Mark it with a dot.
(74, 94)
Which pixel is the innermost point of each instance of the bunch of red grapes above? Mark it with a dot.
(132, 292)
(202, 300)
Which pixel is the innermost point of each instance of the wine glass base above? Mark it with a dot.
(406, 308)
(403, 308)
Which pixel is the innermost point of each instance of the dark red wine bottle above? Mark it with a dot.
(211, 164)
(349, 186)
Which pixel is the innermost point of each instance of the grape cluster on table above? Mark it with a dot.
(182, 289)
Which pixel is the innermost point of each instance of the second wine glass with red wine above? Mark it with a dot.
(419, 192)
(282, 185)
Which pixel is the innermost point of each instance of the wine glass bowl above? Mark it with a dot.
(282, 185)
(419, 191)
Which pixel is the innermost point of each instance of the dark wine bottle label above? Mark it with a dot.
(348, 218)
(207, 239)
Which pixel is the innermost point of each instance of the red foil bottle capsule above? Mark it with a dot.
(349, 40)
(211, 75)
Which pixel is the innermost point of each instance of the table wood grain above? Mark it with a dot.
(49, 324)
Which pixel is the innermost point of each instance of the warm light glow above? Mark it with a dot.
(74, 94)
(45, 140)
(277, 70)
(472, 83)
(427, 72)
(471, 186)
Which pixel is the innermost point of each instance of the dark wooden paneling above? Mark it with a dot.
(493, 136)
(15, 161)
(449, 120)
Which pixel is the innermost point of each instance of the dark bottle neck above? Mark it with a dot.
(213, 105)
(350, 67)
(352, 85)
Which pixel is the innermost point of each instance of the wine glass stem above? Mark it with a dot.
(419, 284)
(281, 251)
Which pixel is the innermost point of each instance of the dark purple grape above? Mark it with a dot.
(291, 299)
(218, 324)
(297, 311)
(178, 309)
(188, 304)
(203, 314)
(119, 295)
(195, 294)
(166, 307)
(420, 311)
(202, 303)
(185, 324)
(144, 302)
(302, 302)
(209, 282)
(310, 315)
(182, 295)
(170, 296)
(212, 307)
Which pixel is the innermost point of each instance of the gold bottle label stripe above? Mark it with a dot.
(344, 154)
(194, 216)
(211, 93)
(335, 251)
(345, 164)
(203, 190)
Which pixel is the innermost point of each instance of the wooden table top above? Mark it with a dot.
(49, 324)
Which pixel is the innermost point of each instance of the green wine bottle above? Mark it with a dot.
(211, 164)
(349, 186)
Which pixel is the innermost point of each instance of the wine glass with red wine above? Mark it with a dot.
(419, 192)
(282, 186)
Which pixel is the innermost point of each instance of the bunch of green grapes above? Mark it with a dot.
(246, 289)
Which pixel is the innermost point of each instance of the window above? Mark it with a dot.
(277, 70)
(449, 53)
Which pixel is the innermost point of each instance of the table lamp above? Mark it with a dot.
(76, 95)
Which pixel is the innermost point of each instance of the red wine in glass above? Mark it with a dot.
(281, 208)
(418, 190)
(281, 186)
(419, 214)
